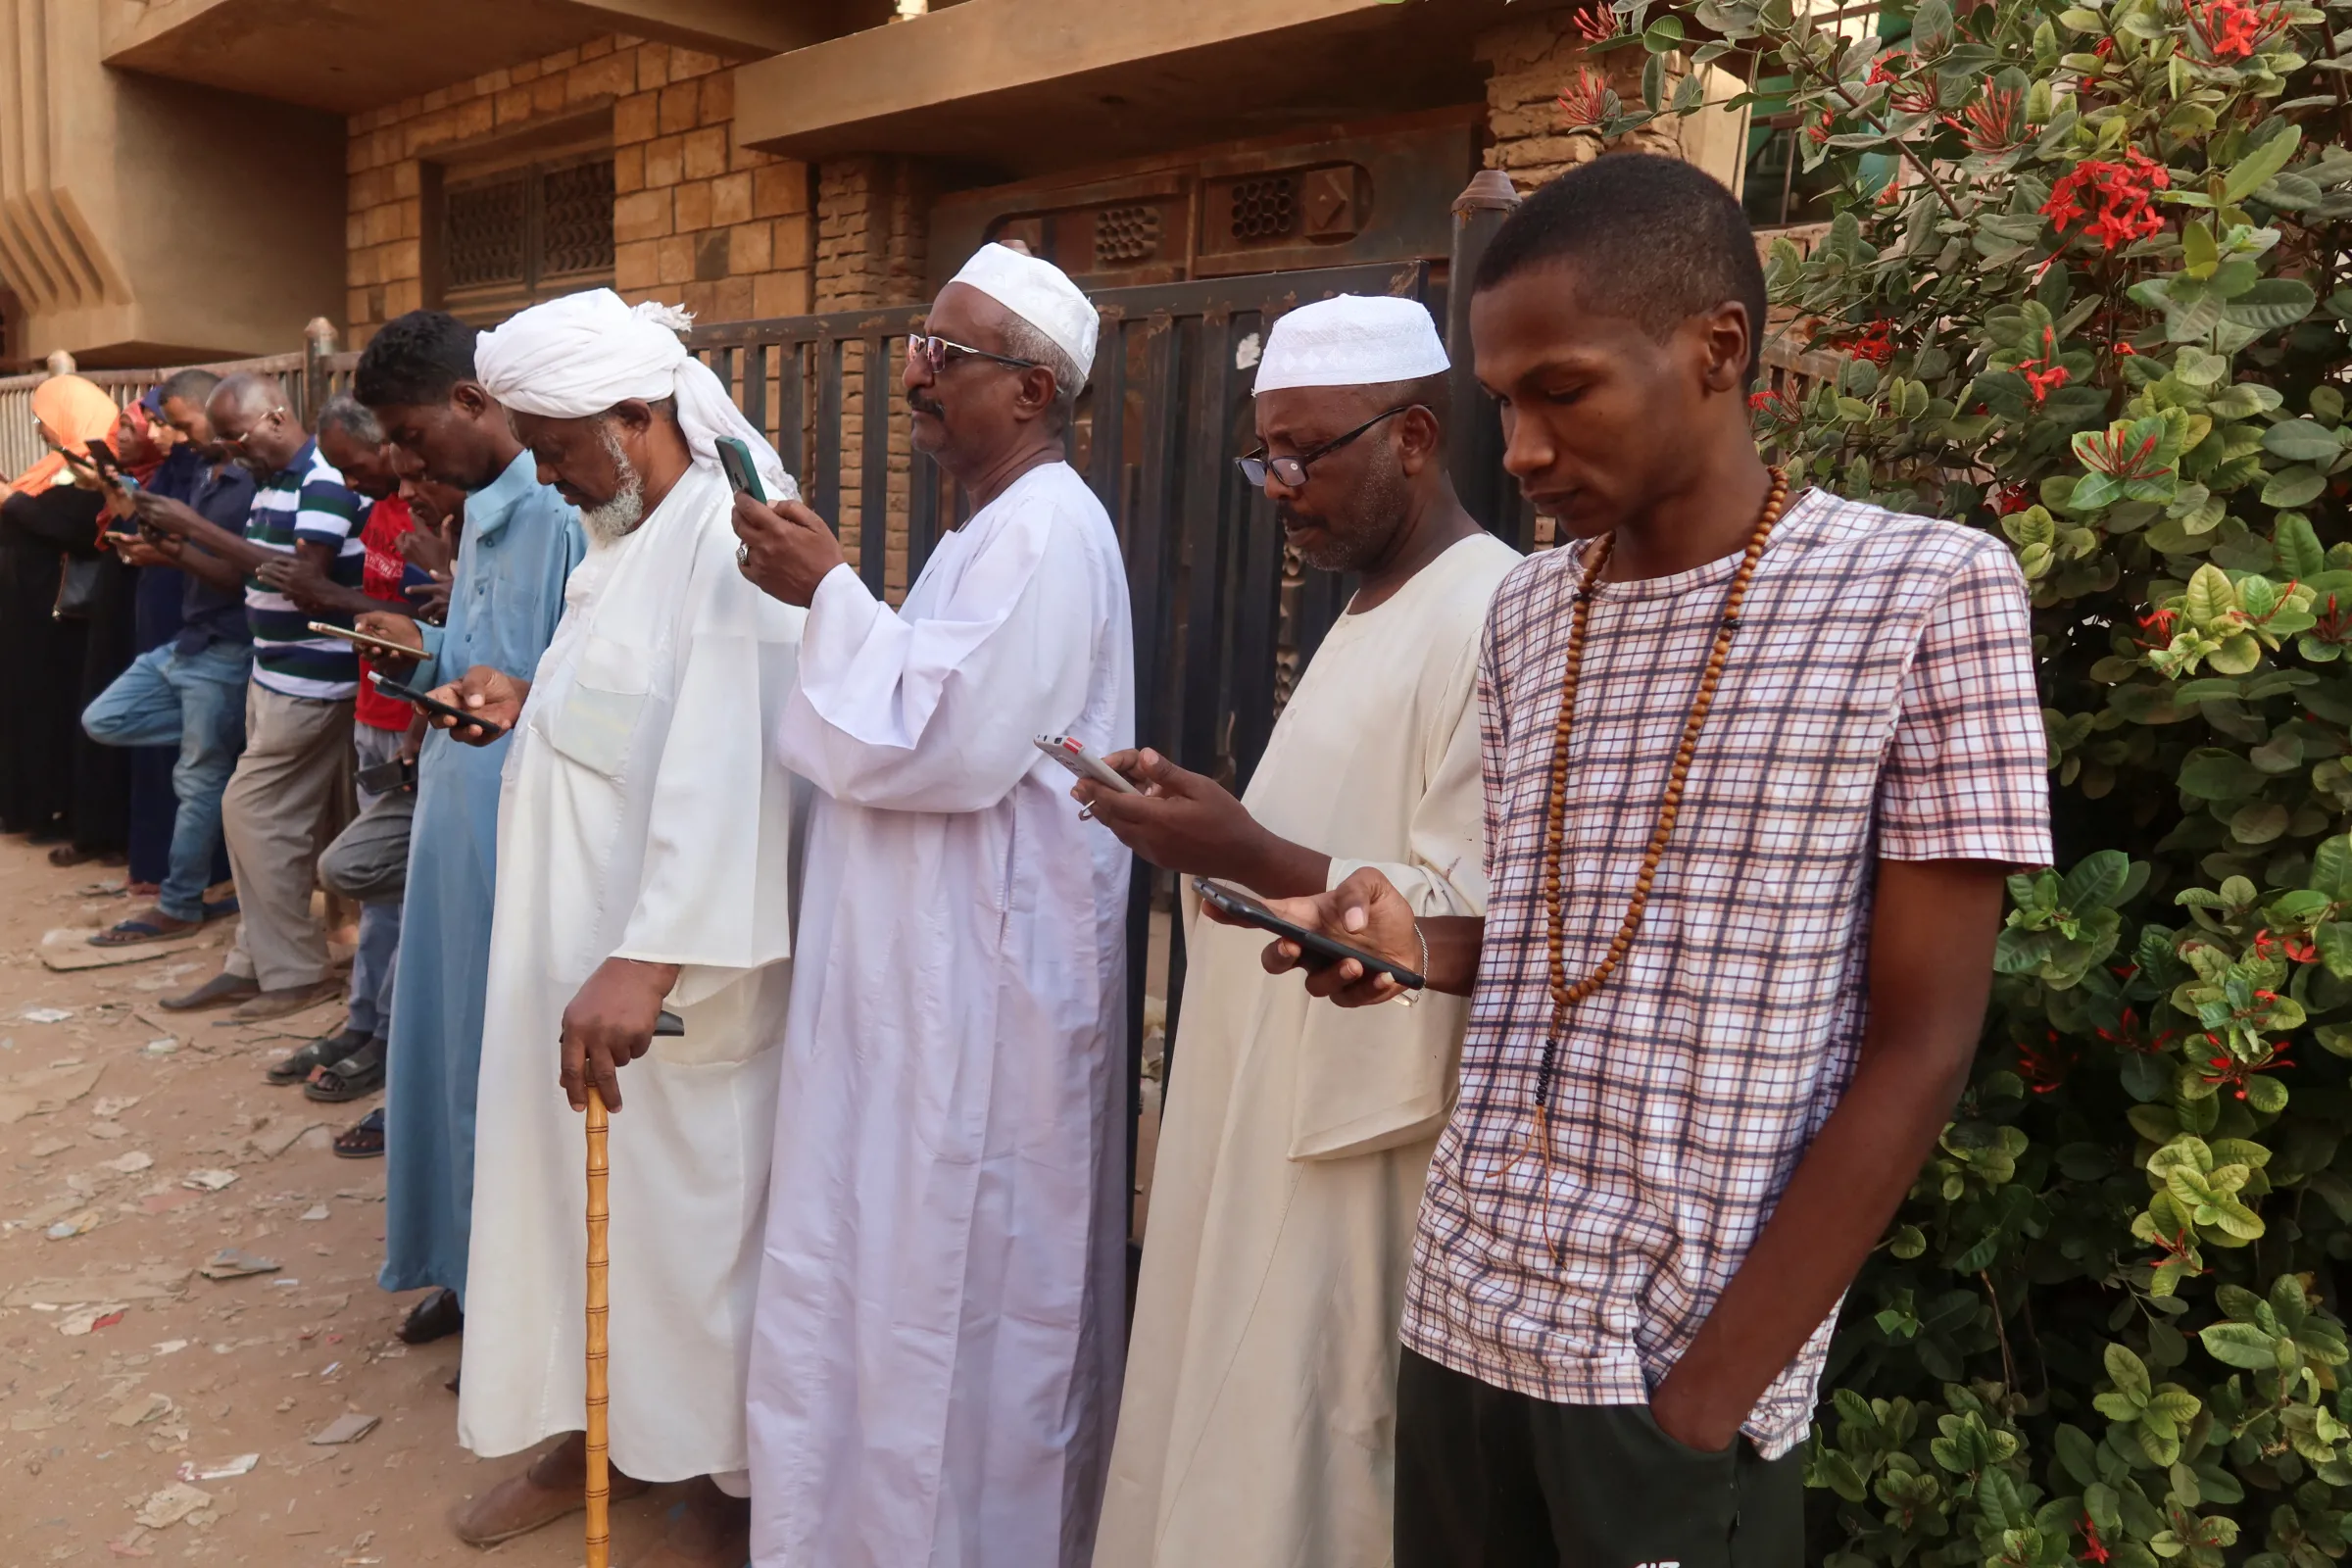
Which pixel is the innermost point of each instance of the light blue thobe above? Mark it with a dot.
(522, 541)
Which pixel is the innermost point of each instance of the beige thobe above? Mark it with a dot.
(1258, 1423)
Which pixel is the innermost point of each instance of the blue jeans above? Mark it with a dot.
(195, 702)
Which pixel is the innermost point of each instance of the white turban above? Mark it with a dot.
(580, 354)
(1352, 340)
(1041, 294)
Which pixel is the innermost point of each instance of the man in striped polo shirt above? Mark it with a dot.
(292, 790)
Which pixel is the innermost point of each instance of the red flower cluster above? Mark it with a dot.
(2045, 374)
(2094, 1551)
(1907, 97)
(2225, 1070)
(1874, 342)
(1774, 405)
(2008, 499)
(2233, 29)
(2111, 453)
(2123, 193)
(2046, 1071)
(2158, 623)
(1993, 123)
(1597, 23)
(2298, 950)
(1587, 100)
(1818, 132)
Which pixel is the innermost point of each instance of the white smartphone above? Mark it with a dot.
(1074, 756)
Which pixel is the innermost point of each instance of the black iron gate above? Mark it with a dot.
(1223, 619)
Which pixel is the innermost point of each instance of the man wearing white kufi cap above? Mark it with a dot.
(1260, 1427)
(937, 1363)
(646, 861)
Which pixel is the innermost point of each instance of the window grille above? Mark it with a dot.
(521, 235)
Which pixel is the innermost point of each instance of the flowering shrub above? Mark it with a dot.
(2103, 311)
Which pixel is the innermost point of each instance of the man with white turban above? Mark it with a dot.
(1260, 1427)
(936, 1371)
(645, 862)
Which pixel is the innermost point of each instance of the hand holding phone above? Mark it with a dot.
(368, 642)
(458, 717)
(1074, 755)
(743, 475)
(1316, 950)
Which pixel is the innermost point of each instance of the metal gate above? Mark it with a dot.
(1223, 617)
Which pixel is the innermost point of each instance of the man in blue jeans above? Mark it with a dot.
(189, 692)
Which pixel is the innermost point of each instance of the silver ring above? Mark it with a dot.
(743, 556)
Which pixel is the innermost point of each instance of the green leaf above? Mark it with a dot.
(2239, 1344)
(2298, 486)
(2197, 249)
(1664, 36)
(2301, 555)
(2302, 441)
(2213, 774)
(1932, 29)
(2335, 941)
(2097, 880)
(2252, 172)
(2272, 304)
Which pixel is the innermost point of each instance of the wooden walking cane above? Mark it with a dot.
(599, 1485)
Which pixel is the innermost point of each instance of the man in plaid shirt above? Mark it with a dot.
(1649, 1201)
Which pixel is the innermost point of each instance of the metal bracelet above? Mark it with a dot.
(1406, 999)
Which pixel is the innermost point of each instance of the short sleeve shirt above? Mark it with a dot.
(1879, 703)
(383, 572)
(304, 502)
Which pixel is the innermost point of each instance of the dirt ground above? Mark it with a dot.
(126, 1375)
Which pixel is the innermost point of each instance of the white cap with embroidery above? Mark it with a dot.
(1352, 340)
(1039, 293)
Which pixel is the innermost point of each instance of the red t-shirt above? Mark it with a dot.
(381, 578)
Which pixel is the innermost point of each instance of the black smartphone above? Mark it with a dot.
(735, 457)
(670, 1023)
(1316, 950)
(384, 778)
(408, 693)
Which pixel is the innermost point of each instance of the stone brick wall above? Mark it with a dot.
(696, 220)
(1533, 58)
(872, 224)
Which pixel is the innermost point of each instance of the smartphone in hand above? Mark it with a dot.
(1074, 755)
(1316, 950)
(742, 476)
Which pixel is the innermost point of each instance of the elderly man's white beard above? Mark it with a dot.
(613, 520)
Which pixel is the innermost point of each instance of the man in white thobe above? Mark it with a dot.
(645, 863)
(936, 1369)
(1259, 1428)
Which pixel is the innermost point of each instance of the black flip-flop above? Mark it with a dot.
(131, 932)
(363, 1138)
(359, 1074)
(298, 1067)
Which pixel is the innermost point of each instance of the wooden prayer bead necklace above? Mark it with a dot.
(1565, 996)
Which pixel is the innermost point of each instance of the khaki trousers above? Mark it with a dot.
(289, 796)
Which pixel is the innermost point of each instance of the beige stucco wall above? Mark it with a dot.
(144, 220)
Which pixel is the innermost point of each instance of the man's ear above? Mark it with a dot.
(1727, 340)
(636, 416)
(1036, 395)
(469, 399)
(1419, 439)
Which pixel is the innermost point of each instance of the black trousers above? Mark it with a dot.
(1490, 1479)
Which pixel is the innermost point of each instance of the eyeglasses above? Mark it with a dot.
(935, 352)
(238, 441)
(1292, 471)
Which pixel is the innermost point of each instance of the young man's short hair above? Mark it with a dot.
(414, 359)
(188, 386)
(1653, 240)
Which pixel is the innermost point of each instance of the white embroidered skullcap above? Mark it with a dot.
(1039, 293)
(583, 353)
(1352, 340)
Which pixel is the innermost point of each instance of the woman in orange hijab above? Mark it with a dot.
(54, 785)
(71, 413)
